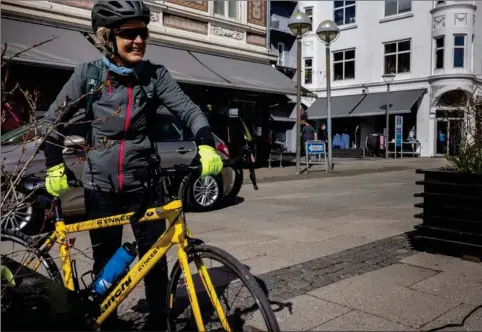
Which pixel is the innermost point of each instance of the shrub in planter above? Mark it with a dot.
(452, 196)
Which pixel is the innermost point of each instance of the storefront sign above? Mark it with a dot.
(398, 130)
(233, 112)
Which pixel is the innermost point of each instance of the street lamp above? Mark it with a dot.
(299, 24)
(327, 33)
(388, 78)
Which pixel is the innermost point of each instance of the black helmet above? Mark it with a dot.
(112, 13)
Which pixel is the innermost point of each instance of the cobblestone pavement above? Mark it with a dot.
(302, 278)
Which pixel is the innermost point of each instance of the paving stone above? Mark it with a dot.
(460, 286)
(461, 318)
(395, 303)
(360, 321)
(304, 313)
(399, 274)
(443, 263)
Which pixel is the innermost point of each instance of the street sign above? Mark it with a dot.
(398, 130)
(315, 147)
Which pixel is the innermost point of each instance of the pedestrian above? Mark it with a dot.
(308, 133)
(322, 132)
(121, 141)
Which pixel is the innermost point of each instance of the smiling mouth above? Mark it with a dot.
(135, 50)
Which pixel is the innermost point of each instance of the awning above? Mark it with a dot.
(400, 102)
(247, 75)
(67, 50)
(282, 112)
(365, 104)
(340, 107)
(183, 66)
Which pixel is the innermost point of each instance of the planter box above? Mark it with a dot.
(452, 211)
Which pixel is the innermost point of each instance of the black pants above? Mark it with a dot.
(106, 241)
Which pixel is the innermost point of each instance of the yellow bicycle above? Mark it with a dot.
(202, 292)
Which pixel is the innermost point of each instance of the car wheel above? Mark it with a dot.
(230, 196)
(20, 214)
(204, 194)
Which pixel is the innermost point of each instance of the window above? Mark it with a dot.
(344, 12)
(459, 51)
(281, 54)
(439, 52)
(308, 70)
(393, 7)
(226, 8)
(397, 57)
(344, 65)
(309, 12)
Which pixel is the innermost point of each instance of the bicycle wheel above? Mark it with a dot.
(29, 251)
(181, 318)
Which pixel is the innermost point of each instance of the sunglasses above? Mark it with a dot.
(132, 33)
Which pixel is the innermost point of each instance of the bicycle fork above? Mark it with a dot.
(208, 285)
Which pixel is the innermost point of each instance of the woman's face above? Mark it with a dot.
(131, 38)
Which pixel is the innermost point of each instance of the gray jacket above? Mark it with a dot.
(119, 142)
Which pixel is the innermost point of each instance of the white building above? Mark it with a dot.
(433, 47)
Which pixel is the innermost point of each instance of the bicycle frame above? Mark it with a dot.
(176, 233)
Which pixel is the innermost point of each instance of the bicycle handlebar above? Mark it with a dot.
(182, 170)
(33, 183)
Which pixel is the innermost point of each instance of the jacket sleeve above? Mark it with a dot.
(71, 91)
(176, 101)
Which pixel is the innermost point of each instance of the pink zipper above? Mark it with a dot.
(126, 126)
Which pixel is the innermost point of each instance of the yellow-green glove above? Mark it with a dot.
(56, 180)
(211, 162)
(7, 275)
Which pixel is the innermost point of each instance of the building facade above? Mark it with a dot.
(217, 50)
(282, 41)
(434, 48)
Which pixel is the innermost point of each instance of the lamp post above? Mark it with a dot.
(388, 79)
(327, 33)
(299, 24)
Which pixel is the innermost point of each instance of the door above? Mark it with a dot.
(454, 136)
(441, 136)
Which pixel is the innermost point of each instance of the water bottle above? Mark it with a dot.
(115, 268)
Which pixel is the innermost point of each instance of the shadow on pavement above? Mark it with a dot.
(236, 316)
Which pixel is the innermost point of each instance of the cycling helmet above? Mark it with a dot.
(112, 13)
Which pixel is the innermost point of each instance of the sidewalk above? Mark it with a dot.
(344, 167)
(420, 292)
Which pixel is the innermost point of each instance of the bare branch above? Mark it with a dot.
(23, 51)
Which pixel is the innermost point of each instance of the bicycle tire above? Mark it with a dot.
(207, 251)
(26, 241)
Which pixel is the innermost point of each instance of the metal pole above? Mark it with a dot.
(386, 120)
(328, 102)
(298, 104)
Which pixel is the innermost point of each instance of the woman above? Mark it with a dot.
(119, 141)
